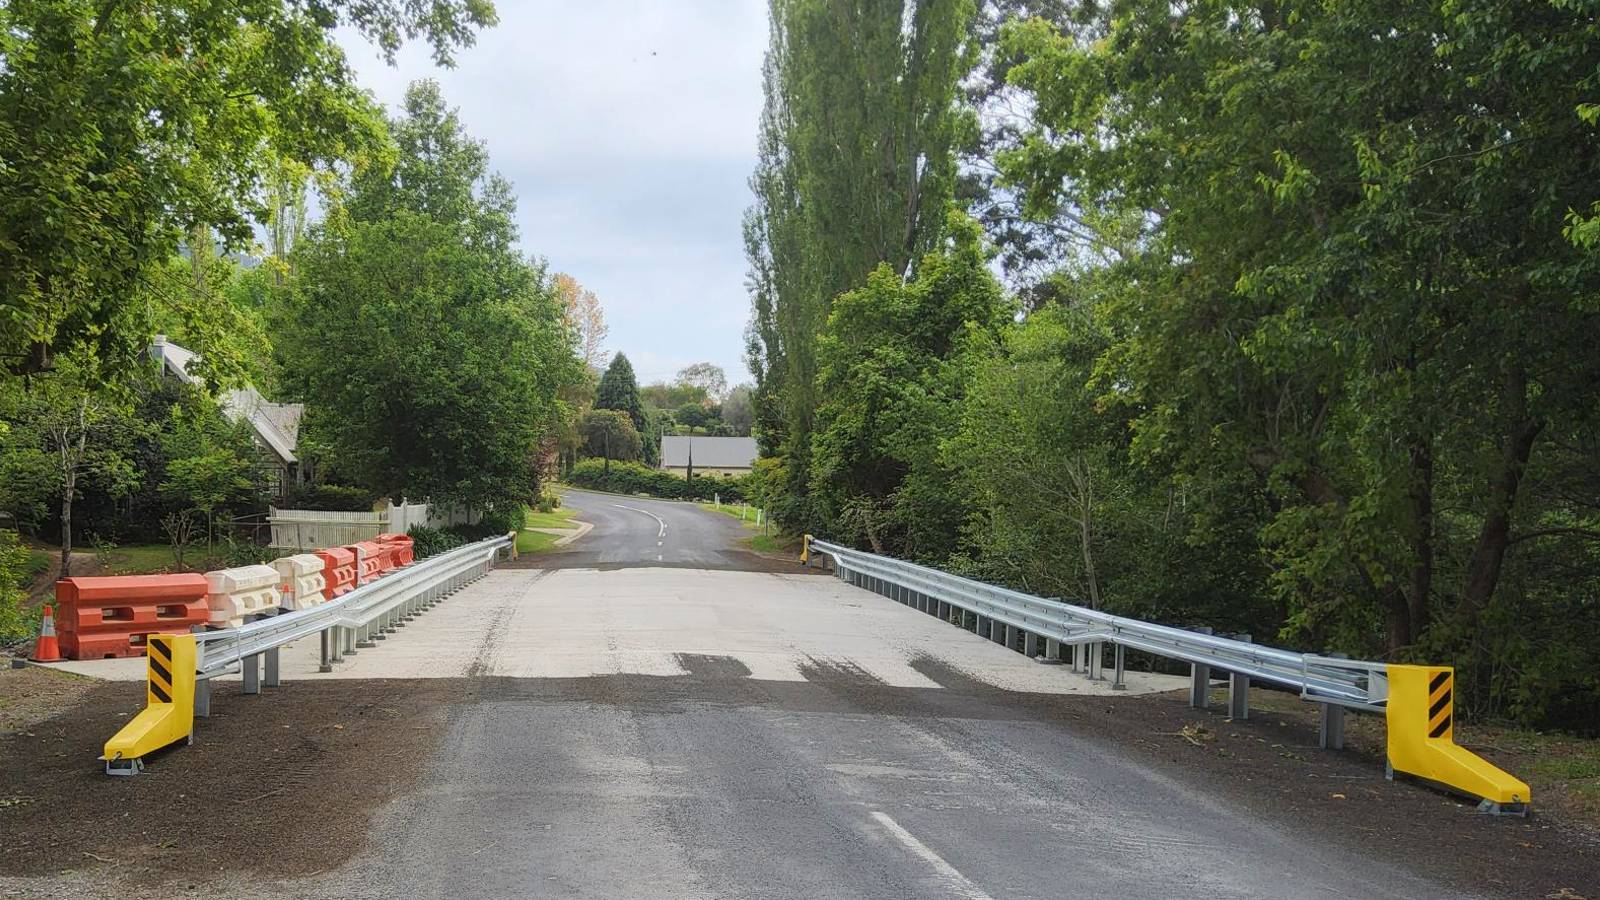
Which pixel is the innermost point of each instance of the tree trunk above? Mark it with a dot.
(1418, 609)
(1483, 570)
(66, 524)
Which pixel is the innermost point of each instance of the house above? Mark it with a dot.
(275, 426)
(726, 456)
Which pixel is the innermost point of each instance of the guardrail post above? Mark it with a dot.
(1008, 636)
(1030, 644)
(1097, 662)
(1077, 658)
(270, 679)
(1239, 689)
(327, 651)
(1199, 685)
(1331, 734)
(1116, 681)
(202, 686)
(1052, 648)
(250, 668)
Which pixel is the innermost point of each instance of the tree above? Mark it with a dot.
(692, 416)
(428, 351)
(1354, 293)
(209, 466)
(738, 410)
(894, 363)
(125, 128)
(619, 390)
(610, 434)
(67, 432)
(584, 317)
(708, 378)
(856, 165)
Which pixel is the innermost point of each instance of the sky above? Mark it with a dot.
(628, 130)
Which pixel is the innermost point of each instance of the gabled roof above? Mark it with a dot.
(708, 452)
(277, 425)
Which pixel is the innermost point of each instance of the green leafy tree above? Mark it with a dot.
(209, 467)
(894, 362)
(428, 351)
(856, 165)
(738, 410)
(1362, 295)
(609, 434)
(125, 127)
(70, 432)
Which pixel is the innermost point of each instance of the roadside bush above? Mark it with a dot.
(631, 478)
(426, 542)
(16, 572)
(331, 498)
(549, 501)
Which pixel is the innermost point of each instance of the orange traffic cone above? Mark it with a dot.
(47, 650)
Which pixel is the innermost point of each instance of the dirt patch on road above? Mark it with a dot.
(303, 767)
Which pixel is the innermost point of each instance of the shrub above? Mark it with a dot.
(427, 541)
(331, 498)
(631, 478)
(17, 570)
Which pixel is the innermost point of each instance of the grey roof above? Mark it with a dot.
(708, 452)
(276, 424)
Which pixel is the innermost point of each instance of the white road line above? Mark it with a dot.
(663, 522)
(951, 875)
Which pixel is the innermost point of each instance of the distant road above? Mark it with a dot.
(638, 531)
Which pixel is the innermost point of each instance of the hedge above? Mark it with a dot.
(632, 478)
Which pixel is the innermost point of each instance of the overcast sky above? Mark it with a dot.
(628, 130)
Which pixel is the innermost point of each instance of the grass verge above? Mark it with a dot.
(535, 541)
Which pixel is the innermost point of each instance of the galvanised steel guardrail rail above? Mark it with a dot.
(181, 667)
(1335, 682)
(366, 614)
(1418, 711)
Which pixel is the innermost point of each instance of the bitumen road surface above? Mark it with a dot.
(639, 531)
(657, 713)
(662, 733)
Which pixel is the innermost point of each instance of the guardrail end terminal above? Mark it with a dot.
(1421, 720)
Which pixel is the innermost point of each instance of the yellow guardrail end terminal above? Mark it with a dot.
(1421, 723)
(168, 716)
(805, 550)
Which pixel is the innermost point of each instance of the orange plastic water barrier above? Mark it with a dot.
(339, 565)
(111, 616)
(370, 560)
(400, 548)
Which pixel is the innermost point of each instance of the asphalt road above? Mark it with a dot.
(638, 531)
(657, 717)
(650, 773)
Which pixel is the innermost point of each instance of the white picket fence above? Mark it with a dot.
(317, 529)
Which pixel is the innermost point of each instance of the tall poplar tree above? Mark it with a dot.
(856, 167)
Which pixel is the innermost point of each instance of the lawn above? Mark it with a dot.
(561, 517)
(535, 541)
(144, 559)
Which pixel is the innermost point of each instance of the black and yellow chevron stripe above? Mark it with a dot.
(1440, 689)
(159, 652)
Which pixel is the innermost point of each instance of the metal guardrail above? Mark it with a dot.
(357, 619)
(1336, 683)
